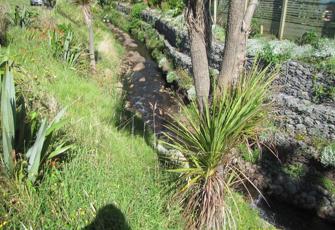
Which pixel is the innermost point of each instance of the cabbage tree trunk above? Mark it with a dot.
(199, 30)
(238, 29)
(89, 24)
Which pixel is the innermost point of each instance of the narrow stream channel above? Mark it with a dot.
(149, 95)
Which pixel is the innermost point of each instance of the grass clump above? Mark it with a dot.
(209, 141)
(249, 154)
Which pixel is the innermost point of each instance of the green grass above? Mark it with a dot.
(110, 173)
(108, 166)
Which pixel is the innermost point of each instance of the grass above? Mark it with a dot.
(110, 173)
(109, 167)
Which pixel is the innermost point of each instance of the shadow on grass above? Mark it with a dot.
(109, 217)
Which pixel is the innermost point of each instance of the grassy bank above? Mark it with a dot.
(111, 174)
(111, 178)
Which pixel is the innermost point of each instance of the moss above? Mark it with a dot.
(185, 80)
(328, 184)
(295, 170)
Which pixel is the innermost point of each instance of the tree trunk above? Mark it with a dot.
(215, 12)
(88, 21)
(238, 29)
(199, 30)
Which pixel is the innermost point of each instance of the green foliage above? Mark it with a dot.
(295, 171)
(219, 33)
(64, 45)
(328, 184)
(118, 19)
(135, 15)
(310, 37)
(104, 3)
(321, 92)
(8, 115)
(271, 57)
(171, 77)
(207, 141)
(249, 154)
(74, 192)
(255, 29)
(24, 17)
(12, 128)
(326, 65)
(328, 155)
(175, 6)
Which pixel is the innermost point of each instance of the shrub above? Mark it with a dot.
(309, 38)
(255, 28)
(276, 52)
(255, 46)
(328, 156)
(325, 48)
(209, 141)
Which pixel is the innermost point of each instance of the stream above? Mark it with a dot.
(149, 96)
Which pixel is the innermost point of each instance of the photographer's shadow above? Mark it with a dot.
(108, 217)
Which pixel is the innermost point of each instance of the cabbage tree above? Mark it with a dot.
(85, 6)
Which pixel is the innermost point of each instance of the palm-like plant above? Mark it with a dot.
(209, 141)
(86, 8)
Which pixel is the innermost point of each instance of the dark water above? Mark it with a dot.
(288, 217)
